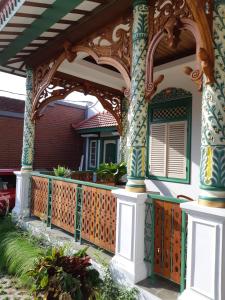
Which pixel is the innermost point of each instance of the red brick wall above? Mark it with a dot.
(55, 141)
(11, 130)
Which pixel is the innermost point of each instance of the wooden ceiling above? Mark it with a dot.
(80, 21)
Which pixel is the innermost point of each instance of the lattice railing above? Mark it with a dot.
(39, 196)
(99, 217)
(165, 238)
(84, 209)
(63, 204)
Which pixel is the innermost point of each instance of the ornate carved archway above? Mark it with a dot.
(171, 19)
(110, 46)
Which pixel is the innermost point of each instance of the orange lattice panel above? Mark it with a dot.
(158, 206)
(86, 212)
(99, 217)
(176, 243)
(64, 204)
(167, 240)
(39, 196)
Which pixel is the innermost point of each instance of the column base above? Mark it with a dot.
(128, 264)
(136, 185)
(205, 253)
(22, 205)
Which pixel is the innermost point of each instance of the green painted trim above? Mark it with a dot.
(167, 179)
(211, 188)
(183, 252)
(49, 17)
(79, 182)
(136, 185)
(165, 198)
(49, 205)
(139, 2)
(97, 129)
(175, 103)
(136, 178)
(105, 138)
(96, 152)
(213, 199)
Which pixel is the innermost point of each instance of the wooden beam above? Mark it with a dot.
(67, 22)
(18, 25)
(84, 27)
(81, 12)
(10, 33)
(35, 4)
(27, 15)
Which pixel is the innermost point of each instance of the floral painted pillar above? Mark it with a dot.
(22, 206)
(125, 130)
(137, 115)
(28, 129)
(212, 172)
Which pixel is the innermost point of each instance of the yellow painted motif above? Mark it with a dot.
(143, 161)
(208, 171)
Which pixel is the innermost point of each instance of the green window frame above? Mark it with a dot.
(92, 154)
(164, 113)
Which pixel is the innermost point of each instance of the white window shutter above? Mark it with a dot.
(157, 154)
(177, 143)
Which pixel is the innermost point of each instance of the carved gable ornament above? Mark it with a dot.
(167, 20)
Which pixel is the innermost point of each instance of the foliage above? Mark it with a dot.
(112, 171)
(4, 206)
(111, 290)
(65, 277)
(17, 252)
(62, 172)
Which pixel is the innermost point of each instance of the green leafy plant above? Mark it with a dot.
(57, 276)
(112, 171)
(62, 172)
(17, 253)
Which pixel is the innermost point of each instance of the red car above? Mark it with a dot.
(8, 186)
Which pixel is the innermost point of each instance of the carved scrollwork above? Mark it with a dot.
(161, 11)
(114, 41)
(61, 86)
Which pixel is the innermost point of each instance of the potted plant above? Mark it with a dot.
(111, 172)
(62, 172)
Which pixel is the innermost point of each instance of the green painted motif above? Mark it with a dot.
(138, 109)
(212, 170)
(125, 128)
(28, 129)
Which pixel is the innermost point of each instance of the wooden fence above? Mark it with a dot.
(84, 209)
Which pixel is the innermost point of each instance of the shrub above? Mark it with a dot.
(4, 205)
(65, 277)
(62, 172)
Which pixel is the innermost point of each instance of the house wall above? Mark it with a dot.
(175, 77)
(55, 141)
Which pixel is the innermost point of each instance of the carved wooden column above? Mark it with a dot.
(22, 205)
(137, 115)
(125, 129)
(212, 172)
(28, 129)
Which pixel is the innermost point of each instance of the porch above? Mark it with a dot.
(158, 69)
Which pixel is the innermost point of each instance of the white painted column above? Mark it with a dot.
(205, 253)
(128, 265)
(22, 205)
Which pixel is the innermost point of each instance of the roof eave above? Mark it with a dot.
(7, 11)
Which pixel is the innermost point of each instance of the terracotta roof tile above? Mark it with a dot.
(100, 120)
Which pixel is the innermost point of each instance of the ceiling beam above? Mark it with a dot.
(35, 4)
(47, 19)
(84, 27)
(27, 15)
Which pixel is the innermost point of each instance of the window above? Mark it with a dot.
(93, 154)
(169, 142)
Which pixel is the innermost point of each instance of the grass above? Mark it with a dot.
(17, 253)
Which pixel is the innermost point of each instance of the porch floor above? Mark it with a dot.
(160, 287)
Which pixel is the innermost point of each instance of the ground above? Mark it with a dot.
(10, 289)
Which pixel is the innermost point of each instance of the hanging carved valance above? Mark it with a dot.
(167, 20)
